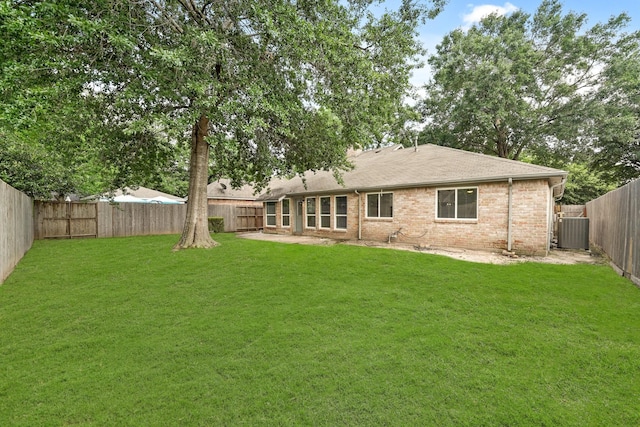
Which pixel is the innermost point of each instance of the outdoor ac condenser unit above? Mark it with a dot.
(573, 233)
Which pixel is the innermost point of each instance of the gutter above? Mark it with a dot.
(509, 217)
(453, 182)
(278, 199)
(359, 215)
(561, 184)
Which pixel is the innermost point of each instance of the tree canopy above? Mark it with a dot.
(543, 84)
(59, 136)
(256, 88)
(618, 144)
(584, 184)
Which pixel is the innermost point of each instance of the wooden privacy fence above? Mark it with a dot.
(139, 219)
(615, 227)
(227, 212)
(571, 211)
(249, 218)
(58, 220)
(16, 227)
(238, 218)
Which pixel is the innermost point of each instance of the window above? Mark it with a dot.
(380, 205)
(271, 214)
(286, 213)
(311, 213)
(446, 203)
(325, 212)
(458, 203)
(341, 212)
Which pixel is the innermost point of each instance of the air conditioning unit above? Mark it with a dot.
(573, 233)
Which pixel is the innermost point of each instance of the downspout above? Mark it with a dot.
(510, 202)
(562, 182)
(359, 215)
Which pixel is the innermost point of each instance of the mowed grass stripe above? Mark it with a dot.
(126, 332)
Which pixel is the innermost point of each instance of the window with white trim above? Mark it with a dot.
(311, 213)
(286, 213)
(271, 214)
(457, 203)
(325, 212)
(380, 205)
(340, 207)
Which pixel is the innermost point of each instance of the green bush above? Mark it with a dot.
(216, 224)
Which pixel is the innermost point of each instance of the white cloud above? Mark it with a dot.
(484, 10)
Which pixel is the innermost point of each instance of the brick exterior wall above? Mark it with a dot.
(234, 202)
(414, 219)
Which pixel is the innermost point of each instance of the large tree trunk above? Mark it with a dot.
(196, 228)
(502, 145)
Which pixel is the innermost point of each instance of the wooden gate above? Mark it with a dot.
(248, 218)
(58, 220)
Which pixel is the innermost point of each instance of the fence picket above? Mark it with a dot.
(16, 227)
(102, 219)
(614, 227)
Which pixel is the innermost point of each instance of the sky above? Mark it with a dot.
(463, 13)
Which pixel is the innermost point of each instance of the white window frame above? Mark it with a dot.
(336, 215)
(455, 190)
(380, 194)
(307, 215)
(322, 215)
(270, 215)
(284, 215)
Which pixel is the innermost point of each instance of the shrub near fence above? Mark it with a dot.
(16, 227)
(615, 227)
(216, 224)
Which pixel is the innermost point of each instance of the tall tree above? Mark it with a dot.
(618, 144)
(524, 83)
(584, 184)
(259, 87)
(57, 135)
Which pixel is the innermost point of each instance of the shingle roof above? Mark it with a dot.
(148, 193)
(429, 165)
(222, 189)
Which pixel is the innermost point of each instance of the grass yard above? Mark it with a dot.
(125, 332)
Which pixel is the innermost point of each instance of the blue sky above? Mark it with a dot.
(462, 13)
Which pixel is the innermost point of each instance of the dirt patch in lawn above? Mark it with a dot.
(556, 256)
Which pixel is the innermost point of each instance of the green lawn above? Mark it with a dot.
(125, 332)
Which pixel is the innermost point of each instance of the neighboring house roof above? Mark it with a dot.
(222, 189)
(430, 165)
(147, 193)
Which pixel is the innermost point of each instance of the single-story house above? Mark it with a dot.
(221, 192)
(238, 206)
(428, 195)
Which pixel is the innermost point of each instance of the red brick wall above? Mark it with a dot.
(234, 202)
(414, 219)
